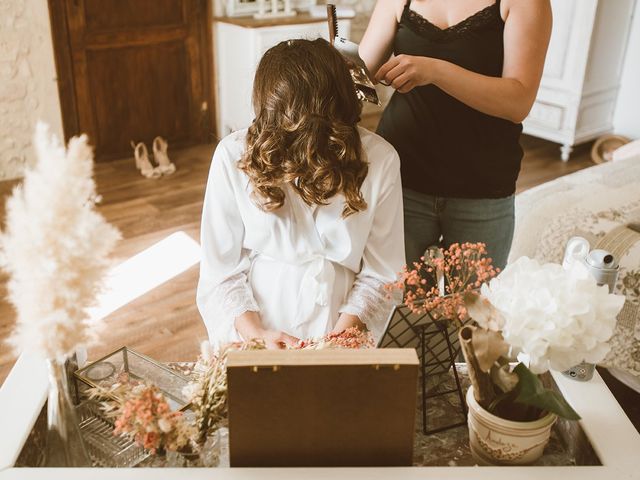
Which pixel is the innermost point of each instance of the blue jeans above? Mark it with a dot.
(430, 220)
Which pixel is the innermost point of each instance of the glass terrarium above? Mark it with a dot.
(128, 366)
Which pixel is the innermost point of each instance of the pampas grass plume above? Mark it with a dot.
(55, 248)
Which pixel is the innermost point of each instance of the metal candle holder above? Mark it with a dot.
(436, 341)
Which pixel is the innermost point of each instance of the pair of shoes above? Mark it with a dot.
(141, 155)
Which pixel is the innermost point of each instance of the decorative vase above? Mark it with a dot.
(182, 459)
(212, 453)
(215, 451)
(496, 441)
(65, 447)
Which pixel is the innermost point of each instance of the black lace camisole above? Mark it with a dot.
(447, 148)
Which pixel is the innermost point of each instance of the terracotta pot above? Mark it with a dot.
(495, 441)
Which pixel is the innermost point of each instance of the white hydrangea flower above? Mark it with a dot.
(557, 317)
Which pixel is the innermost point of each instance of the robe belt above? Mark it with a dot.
(316, 286)
(316, 289)
(319, 278)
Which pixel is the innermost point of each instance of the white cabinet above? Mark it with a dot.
(577, 95)
(239, 43)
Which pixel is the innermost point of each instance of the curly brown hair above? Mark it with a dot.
(305, 130)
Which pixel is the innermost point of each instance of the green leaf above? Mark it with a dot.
(532, 392)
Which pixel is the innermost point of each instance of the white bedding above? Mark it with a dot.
(596, 203)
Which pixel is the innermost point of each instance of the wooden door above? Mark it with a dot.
(133, 69)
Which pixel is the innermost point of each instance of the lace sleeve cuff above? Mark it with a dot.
(234, 297)
(371, 302)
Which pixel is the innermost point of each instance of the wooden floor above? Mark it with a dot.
(164, 323)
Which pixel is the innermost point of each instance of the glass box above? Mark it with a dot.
(126, 365)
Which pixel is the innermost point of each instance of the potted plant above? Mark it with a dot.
(548, 317)
(55, 250)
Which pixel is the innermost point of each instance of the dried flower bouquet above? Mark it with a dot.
(436, 285)
(55, 248)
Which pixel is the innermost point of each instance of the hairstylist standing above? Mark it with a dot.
(466, 73)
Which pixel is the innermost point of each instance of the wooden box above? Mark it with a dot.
(322, 407)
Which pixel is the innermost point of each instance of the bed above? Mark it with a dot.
(601, 204)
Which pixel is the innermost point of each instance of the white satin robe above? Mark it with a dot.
(302, 265)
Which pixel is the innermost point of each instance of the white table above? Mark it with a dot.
(610, 432)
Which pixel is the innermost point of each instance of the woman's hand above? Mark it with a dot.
(249, 326)
(346, 320)
(406, 72)
(275, 339)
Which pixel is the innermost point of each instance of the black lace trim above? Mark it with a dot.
(478, 20)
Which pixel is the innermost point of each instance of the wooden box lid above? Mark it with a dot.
(322, 407)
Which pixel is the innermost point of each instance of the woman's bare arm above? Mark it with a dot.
(526, 38)
(347, 320)
(377, 43)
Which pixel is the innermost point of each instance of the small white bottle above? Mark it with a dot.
(604, 268)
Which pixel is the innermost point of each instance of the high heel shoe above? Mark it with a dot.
(143, 164)
(160, 156)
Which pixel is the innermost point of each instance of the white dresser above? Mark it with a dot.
(239, 43)
(577, 95)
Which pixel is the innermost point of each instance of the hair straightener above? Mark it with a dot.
(349, 50)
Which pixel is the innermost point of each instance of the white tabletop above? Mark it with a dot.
(610, 432)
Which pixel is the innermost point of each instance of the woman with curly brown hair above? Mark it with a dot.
(302, 223)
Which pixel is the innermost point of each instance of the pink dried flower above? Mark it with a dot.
(464, 267)
(352, 337)
(146, 416)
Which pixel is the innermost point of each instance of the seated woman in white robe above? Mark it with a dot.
(302, 221)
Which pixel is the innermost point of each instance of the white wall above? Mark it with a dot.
(626, 119)
(28, 89)
(363, 9)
